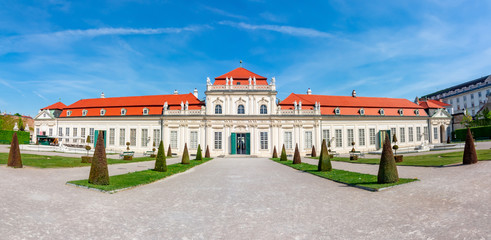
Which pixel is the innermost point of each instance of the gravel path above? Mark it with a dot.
(247, 199)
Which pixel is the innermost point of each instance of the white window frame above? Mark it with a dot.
(156, 137)
(308, 139)
(263, 109)
(103, 112)
(145, 111)
(218, 109)
(418, 134)
(144, 137)
(123, 111)
(326, 134)
(241, 109)
(339, 137)
(372, 136)
(410, 132)
(402, 133)
(361, 137)
(112, 133)
(218, 140)
(193, 139)
(350, 136)
(288, 140)
(122, 137)
(132, 136)
(173, 138)
(264, 140)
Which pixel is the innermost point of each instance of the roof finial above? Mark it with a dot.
(240, 63)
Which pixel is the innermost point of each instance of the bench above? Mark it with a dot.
(126, 154)
(148, 153)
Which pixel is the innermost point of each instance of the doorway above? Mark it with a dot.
(241, 143)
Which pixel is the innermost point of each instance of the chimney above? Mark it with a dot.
(353, 94)
(102, 95)
(309, 92)
(175, 92)
(416, 100)
(195, 93)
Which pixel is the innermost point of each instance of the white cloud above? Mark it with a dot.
(95, 32)
(290, 30)
(224, 13)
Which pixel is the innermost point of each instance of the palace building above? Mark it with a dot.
(241, 115)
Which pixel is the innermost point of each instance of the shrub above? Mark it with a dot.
(313, 154)
(169, 152)
(198, 153)
(283, 154)
(160, 162)
(387, 171)
(14, 159)
(477, 132)
(128, 146)
(275, 154)
(87, 148)
(470, 155)
(88, 139)
(207, 153)
(99, 174)
(7, 135)
(128, 158)
(86, 159)
(296, 156)
(324, 164)
(395, 147)
(185, 155)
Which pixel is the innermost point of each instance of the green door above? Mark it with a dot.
(381, 137)
(248, 143)
(96, 135)
(233, 144)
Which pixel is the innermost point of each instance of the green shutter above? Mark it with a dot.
(96, 134)
(233, 144)
(248, 143)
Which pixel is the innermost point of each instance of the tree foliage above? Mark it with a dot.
(160, 162)
(296, 157)
(14, 159)
(99, 174)
(324, 164)
(185, 155)
(387, 172)
(275, 154)
(470, 155)
(283, 154)
(198, 153)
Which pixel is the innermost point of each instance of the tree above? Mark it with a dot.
(275, 154)
(470, 155)
(198, 153)
(160, 162)
(394, 140)
(14, 159)
(467, 119)
(99, 174)
(169, 152)
(185, 155)
(283, 154)
(20, 124)
(88, 139)
(296, 157)
(387, 171)
(324, 164)
(314, 153)
(207, 153)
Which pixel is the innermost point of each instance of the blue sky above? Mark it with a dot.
(78, 49)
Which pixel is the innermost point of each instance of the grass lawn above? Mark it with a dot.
(42, 161)
(428, 160)
(366, 181)
(139, 178)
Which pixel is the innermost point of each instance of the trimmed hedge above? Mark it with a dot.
(483, 132)
(6, 137)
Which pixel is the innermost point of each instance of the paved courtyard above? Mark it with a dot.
(241, 198)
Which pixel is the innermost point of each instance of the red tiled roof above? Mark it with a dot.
(58, 105)
(351, 105)
(240, 75)
(430, 103)
(134, 105)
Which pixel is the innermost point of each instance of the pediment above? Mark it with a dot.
(44, 115)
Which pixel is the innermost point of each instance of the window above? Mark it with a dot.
(60, 131)
(326, 135)
(50, 132)
(392, 133)
(351, 138)
(123, 112)
(416, 112)
(472, 95)
(122, 137)
(362, 111)
(403, 134)
(173, 139)
(103, 112)
(67, 132)
(144, 137)
(418, 134)
(68, 113)
(112, 132)
(425, 132)
(401, 112)
(264, 140)
(381, 111)
(465, 98)
(372, 136)
(339, 138)
(91, 134)
(37, 131)
(479, 94)
(263, 110)
(84, 112)
(238, 83)
(145, 111)
(308, 139)
(82, 134)
(240, 109)
(337, 111)
(218, 140)
(156, 138)
(361, 136)
(435, 133)
(288, 140)
(133, 136)
(218, 109)
(458, 100)
(194, 140)
(410, 136)
(75, 132)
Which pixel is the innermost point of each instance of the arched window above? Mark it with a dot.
(263, 109)
(123, 112)
(103, 112)
(218, 109)
(68, 113)
(381, 111)
(240, 109)
(145, 111)
(84, 112)
(416, 112)
(401, 112)
(337, 111)
(362, 111)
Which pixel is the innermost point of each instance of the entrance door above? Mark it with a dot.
(381, 137)
(442, 134)
(240, 143)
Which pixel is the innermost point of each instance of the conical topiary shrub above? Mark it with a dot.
(160, 162)
(470, 155)
(283, 154)
(185, 155)
(207, 153)
(169, 152)
(324, 164)
(314, 153)
(14, 159)
(296, 156)
(275, 154)
(387, 171)
(198, 153)
(99, 174)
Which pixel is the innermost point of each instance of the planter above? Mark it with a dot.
(86, 159)
(129, 158)
(331, 156)
(353, 158)
(153, 155)
(398, 158)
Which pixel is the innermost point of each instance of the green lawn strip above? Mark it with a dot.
(139, 178)
(428, 160)
(43, 161)
(362, 180)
